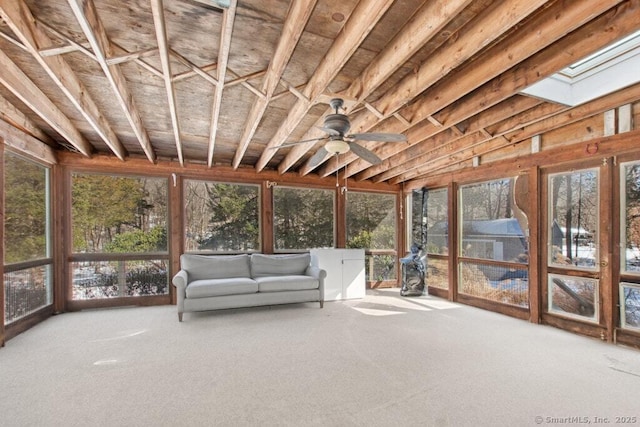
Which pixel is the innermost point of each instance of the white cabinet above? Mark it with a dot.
(345, 272)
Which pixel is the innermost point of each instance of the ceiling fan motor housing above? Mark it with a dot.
(338, 122)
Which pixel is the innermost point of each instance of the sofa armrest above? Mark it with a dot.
(320, 274)
(180, 281)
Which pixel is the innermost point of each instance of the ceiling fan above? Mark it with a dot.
(339, 142)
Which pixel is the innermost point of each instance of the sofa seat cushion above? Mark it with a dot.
(201, 267)
(286, 283)
(279, 265)
(215, 287)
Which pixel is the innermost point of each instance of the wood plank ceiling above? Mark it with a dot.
(228, 82)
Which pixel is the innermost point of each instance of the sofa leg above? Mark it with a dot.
(321, 304)
(179, 316)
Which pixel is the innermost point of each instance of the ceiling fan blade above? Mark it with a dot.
(291, 144)
(318, 157)
(330, 131)
(365, 154)
(382, 137)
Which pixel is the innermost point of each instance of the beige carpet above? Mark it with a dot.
(381, 361)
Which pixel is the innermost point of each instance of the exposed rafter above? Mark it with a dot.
(492, 24)
(87, 15)
(22, 23)
(157, 7)
(425, 25)
(10, 114)
(297, 17)
(228, 18)
(28, 92)
(547, 27)
(360, 23)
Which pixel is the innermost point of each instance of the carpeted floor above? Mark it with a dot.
(381, 361)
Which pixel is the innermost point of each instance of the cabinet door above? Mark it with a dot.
(353, 280)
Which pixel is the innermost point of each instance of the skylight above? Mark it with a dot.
(606, 71)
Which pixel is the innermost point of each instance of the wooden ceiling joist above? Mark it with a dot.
(360, 23)
(87, 16)
(427, 22)
(449, 75)
(430, 136)
(520, 133)
(297, 17)
(597, 33)
(28, 92)
(487, 27)
(545, 28)
(10, 114)
(22, 22)
(157, 7)
(228, 18)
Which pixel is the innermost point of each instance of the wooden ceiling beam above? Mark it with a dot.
(28, 92)
(22, 22)
(228, 18)
(483, 30)
(361, 22)
(520, 132)
(511, 113)
(25, 144)
(541, 31)
(10, 114)
(421, 28)
(87, 16)
(598, 33)
(157, 8)
(295, 22)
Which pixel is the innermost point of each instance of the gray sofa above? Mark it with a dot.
(212, 282)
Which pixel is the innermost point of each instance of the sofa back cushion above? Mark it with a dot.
(279, 265)
(201, 267)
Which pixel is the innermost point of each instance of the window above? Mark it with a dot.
(574, 213)
(303, 218)
(630, 244)
(630, 218)
(221, 217)
(573, 297)
(119, 230)
(489, 228)
(630, 306)
(493, 244)
(27, 262)
(371, 225)
(429, 216)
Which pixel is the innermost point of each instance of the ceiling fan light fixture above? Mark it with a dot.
(336, 146)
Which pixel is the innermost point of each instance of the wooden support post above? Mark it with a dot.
(401, 226)
(535, 243)
(267, 217)
(607, 288)
(176, 227)
(452, 193)
(60, 242)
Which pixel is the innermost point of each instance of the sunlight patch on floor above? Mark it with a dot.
(125, 334)
(376, 312)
